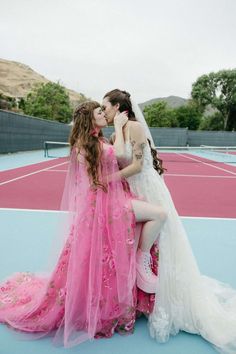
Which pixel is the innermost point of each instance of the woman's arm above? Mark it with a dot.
(138, 142)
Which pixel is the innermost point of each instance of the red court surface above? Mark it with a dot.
(199, 187)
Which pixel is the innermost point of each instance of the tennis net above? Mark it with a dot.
(221, 154)
(56, 149)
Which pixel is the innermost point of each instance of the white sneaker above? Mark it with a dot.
(146, 279)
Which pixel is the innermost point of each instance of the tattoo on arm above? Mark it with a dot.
(142, 146)
(133, 142)
(138, 150)
(139, 156)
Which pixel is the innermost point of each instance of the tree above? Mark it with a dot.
(159, 115)
(7, 103)
(219, 91)
(49, 101)
(213, 122)
(188, 116)
(232, 119)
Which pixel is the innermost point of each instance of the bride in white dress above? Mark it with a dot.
(185, 299)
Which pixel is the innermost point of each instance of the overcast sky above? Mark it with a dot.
(152, 48)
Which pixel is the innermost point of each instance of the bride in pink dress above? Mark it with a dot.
(92, 290)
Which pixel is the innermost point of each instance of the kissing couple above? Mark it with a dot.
(126, 252)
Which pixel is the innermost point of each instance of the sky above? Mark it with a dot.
(151, 48)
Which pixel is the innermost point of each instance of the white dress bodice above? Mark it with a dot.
(147, 184)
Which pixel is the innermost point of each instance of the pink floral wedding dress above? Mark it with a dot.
(91, 291)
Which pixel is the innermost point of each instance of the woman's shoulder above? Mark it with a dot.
(134, 123)
(135, 127)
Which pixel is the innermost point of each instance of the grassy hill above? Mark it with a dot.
(172, 101)
(17, 80)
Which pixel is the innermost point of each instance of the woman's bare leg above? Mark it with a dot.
(154, 218)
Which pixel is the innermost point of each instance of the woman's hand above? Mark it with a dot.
(120, 120)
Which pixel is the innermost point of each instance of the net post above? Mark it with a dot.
(45, 149)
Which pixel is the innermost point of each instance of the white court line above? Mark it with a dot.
(55, 171)
(63, 211)
(202, 176)
(208, 164)
(20, 166)
(206, 218)
(33, 210)
(32, 173)
(168, 174)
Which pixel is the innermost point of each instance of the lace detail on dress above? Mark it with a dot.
(162, 323)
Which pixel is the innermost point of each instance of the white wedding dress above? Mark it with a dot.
(185, 300)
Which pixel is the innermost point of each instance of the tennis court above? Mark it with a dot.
(203, 186)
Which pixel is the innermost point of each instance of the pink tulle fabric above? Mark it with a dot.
(91, 292)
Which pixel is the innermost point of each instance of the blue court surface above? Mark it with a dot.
(25, 242)
(25, 158)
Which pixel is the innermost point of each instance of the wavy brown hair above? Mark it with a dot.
(123, 98)
(157, 162)
(82, 138)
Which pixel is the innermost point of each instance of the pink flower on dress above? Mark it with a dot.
(61, 293)
(27, 277)
(25, 300)
(111, 264)
(3, 288)
(62, 266)
(7, 299)
(129, 326)
(130, 241)
(105, 258)
(152, 297)
(61, 296)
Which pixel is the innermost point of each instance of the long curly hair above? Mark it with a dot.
(157, 162)
(83, 138)
(123, 98)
